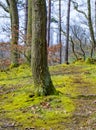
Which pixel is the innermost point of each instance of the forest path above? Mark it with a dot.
(84, 116)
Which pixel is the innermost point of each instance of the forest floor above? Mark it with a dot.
(73, 109)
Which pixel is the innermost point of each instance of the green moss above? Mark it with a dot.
(79, 61)
(13, 65)
(89, 61)
(37, 111)
(47, 112)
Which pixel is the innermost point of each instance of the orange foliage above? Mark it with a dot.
(54, 54)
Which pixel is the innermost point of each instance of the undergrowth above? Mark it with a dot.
(50, 112)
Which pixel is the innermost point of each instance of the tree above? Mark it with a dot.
(88, 17)
(90, 24)
(60, 31)
(26, 16)
(67, 33)
(49, 20)
(29, 32)
(42, 81)
(95, 18)
(78, 40)
(14, 31)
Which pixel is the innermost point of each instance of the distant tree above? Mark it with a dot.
(26, 16)
(60, 42)
(41, 77)
(78, 41)
(88, 17)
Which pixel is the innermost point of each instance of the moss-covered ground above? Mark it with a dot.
(73, 109)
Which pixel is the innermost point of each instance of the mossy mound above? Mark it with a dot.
(90, 61)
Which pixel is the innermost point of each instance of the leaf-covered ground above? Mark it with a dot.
(73, 109)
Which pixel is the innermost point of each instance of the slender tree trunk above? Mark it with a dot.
(42, 81)
(26, 16)
(29, 31)
(49, 20)
(83, 52)
(92, 51)
(60, 31)
(67, 32)
(73, 49)
(14, 31)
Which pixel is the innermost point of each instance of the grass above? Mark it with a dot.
(76, 82)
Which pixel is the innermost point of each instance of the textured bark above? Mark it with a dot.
(29, 31)
(42, 81)
(49, 20)
(90, 24)
(67, 32)
(14, 31)
(26, 16)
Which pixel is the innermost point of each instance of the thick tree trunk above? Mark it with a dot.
(90, 24)
(42, 81)
(14, 31)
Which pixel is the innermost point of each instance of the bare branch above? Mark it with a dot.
(78, 10)
(4, 7)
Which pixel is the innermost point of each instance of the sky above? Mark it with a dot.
(74, 18)
(5, 23)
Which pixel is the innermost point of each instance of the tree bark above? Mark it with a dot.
(29, 31)
(49, 20)
(90, 24)
(42, 80)
(14, 31)
(67, 32)
(95, 19)
(26, 16)
(60, 31)
(73, 48)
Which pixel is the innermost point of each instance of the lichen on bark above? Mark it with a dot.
(42, 80)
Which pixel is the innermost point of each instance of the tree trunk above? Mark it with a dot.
(90, 24)
(42, 81)
(73, 49)
(26, 16)
(14, 31)
(67, 32)
(49, 20)
(60, 31)
(95, 19)
(29, 32)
